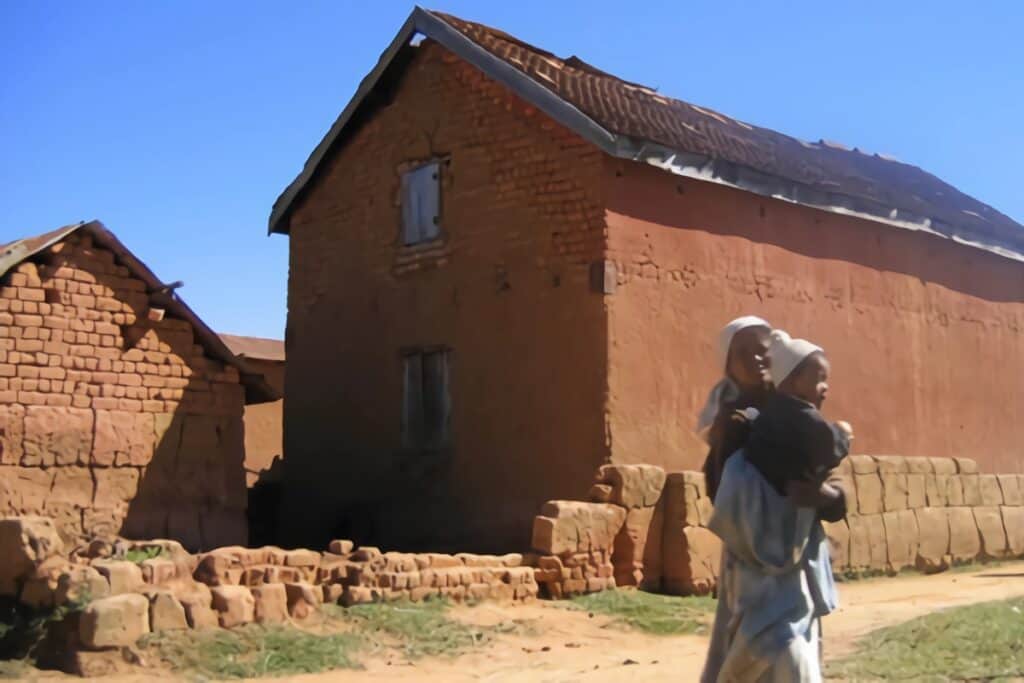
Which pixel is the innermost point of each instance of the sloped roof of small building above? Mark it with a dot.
(13, 253)
(257, 348)
(634, 122)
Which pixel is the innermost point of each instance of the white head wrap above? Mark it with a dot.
(725, 390)
(786, 353)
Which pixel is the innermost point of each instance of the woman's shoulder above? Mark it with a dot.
(756, 398)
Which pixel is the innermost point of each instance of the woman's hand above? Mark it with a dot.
(846, 428)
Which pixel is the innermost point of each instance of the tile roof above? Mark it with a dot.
(635, 122)
(11, 254)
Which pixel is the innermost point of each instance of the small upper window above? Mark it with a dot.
(421, 204)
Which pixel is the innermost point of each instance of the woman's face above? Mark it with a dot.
(747, 364)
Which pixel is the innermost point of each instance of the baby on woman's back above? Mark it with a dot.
(790, 440)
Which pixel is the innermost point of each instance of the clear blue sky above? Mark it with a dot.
(178, 123)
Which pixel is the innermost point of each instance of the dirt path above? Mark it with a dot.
(555, 644)
(571, 646)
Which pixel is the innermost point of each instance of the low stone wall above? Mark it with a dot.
(927, 513)
(923, 513)
(641, 528)
(136, 587)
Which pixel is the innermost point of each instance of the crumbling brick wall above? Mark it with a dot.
(112, 418)
(229, 587)
(507, 290)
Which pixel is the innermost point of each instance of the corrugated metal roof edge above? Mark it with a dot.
(256, 388)
(675, 161)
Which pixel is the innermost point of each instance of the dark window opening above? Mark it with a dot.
(426, 403)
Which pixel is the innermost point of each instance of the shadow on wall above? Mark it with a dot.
(167, 453)
(401, 500)
(265, 504)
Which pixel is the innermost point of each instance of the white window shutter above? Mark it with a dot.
(421, 204)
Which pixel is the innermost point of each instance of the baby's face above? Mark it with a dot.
(810, 381)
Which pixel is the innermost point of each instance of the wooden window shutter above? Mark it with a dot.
(412, 401)
(421, 204)
(436, 403)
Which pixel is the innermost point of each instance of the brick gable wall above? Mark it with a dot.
(506, 289)
(112, 421)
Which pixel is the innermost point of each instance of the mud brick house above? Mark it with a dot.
(263, 421)
(509, 267)
(120, 410)
(264, 468)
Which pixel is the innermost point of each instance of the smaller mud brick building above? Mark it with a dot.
(508, 268)
(120, 410)
(263, 421)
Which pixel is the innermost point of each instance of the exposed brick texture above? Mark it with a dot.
(555, 371)
(506, 287)
(111, 422)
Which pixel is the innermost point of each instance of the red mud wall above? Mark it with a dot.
(926, 337)
(506, 289)
(110, 421)
(264, 428)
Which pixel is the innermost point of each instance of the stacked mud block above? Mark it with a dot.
(122, 600)
(234, 585)
(926, 513)
(641, 528)
(612, 540)
(402, 576)
(574, 542)
(636, 554)
(690, 553)
(349, 576)
(131, 588)
(922, 513)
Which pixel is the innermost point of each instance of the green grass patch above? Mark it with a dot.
(254, 651)
(415, 629)
(983, 642)
(138, 555)
(651, 613)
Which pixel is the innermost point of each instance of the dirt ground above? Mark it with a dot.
(566, 645)
(574, 647)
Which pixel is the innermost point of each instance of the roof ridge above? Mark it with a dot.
(637, 123)
(23, 249)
